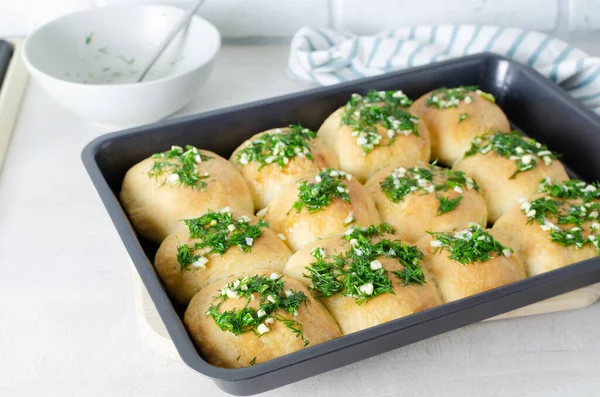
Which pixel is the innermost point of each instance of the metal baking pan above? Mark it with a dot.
(6, 53)
(532, 103)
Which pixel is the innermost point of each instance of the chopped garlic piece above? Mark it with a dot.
(173, 178)
(349, 218)
(274, 276)
(262, 329)
(366, 289)
(376, 265)
(200, 263)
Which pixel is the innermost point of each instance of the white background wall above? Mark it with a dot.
(567, 19)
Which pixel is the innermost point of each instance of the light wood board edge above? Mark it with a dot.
(11, 96)
(155, 334)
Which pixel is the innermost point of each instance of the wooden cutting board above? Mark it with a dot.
(155, 334)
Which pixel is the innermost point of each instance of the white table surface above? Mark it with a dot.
(67, 323)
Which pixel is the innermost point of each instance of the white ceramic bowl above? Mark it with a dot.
(89, 61)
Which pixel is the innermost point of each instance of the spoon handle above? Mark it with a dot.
(185, 19)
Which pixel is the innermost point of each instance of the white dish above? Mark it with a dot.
(89, 61)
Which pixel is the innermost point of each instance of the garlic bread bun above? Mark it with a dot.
(320, 205)
(274, 158)
(365, 278)
(180, 183)
(455, 116)
(374, 131)
(554, 229)
(280, 317)
(426, 197)
(469, 261)
(508, 167)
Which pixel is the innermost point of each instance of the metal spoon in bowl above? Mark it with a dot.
(185, 19)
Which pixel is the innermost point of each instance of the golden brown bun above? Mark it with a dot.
(533, 246)
(301, 228)
(154, 206)
(449, 138)
(224, 349)
(353, 317)
(268, 253)
(456, 281)
(405, 151)
(492, 172)
(265, 182)
(416, 214)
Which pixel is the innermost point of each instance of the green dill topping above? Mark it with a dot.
(447, 204)
(217, 231)
(462, 117)
(523, 151)
(401, 182)
(329, 184)
(570, 189)
(274, 304)
(549, 213)
(358, 273)
(88, 38)
(470, 245)
(253, 361)
(379, 108)
(278, 147)
(180, 164)
(445, 98)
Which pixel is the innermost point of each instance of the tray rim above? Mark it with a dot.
(172, 321)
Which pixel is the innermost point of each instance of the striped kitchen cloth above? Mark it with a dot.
(328, 57)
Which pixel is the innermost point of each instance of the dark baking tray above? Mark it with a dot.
(532, 103)
(6, 53)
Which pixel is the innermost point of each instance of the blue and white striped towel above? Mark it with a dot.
(328, 57)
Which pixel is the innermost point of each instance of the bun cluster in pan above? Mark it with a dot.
(304, 236)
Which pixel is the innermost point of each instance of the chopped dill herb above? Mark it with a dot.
(253, 361)
(570, 189)
(445, 98)
(401, 182)
(358, 273)
(447, 204)
(523, 151)
(278, 147)
(88, 38)
(186, 257)
(463, 117)
(180, 164)
(386, 109)
(329, 184)
(274, 304)
(552, 213)
(218, 231)
(470, 245)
